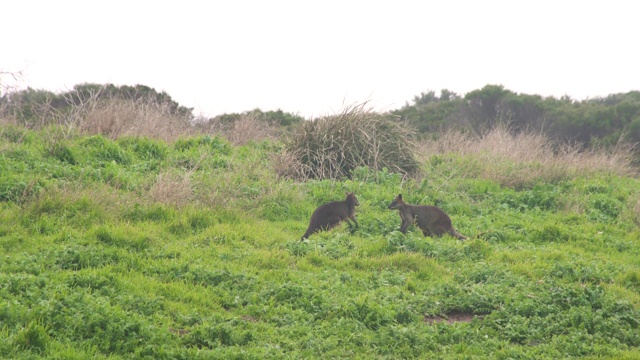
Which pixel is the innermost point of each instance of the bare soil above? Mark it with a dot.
(452, 317)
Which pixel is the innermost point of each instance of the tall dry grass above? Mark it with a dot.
(172, 189)
(122, 117)
(517, 160)
(111, 116)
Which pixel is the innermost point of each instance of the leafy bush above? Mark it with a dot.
(333, 146)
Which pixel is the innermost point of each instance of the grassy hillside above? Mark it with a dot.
(135, 248)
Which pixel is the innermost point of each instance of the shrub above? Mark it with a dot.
(332, 147)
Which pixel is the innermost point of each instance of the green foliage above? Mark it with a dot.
(598, 121)
(95, 264)
(277, 117)
(430, 113)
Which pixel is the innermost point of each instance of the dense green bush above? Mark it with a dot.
(596, 121)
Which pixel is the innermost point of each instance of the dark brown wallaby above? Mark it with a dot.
(430, 219)
(331, 214)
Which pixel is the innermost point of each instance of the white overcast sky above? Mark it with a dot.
(311, 57)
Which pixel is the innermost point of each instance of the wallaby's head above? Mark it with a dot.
(351, 197)
(396, 202)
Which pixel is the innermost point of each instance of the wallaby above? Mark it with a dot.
(333, 213)
(430, 219)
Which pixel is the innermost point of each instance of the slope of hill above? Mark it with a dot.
(136, 248)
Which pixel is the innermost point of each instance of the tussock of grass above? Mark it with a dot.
(332, 147)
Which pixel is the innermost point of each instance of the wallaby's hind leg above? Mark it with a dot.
(439, 231)
(352, 228)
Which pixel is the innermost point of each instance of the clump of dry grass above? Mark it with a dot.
(331, 147)
(172, 189)
(106, 201)
(287, 165)
(517, 160)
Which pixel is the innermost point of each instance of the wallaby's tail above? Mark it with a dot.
(458, 235)
(306, 235)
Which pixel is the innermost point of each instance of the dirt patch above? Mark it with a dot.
(249, 318)
(179, 332)
(452, 317)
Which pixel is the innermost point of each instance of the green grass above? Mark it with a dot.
(103, 256)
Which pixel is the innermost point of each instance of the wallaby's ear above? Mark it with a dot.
(399, 196)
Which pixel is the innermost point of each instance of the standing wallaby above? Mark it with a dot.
(331, 214)
(430, 219)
